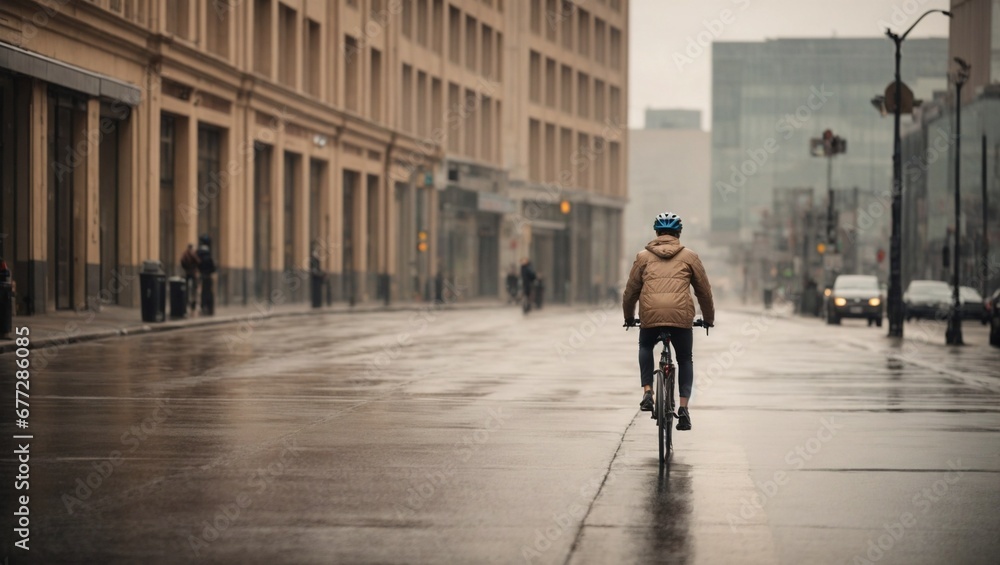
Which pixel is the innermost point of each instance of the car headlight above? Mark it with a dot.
(874, 302)
(840, 301)
(827, 292)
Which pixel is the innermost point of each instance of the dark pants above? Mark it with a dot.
(680, 342)
(207, 295)
(192, 290)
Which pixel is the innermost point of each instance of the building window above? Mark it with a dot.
(454, 35)
(566, 89)
(550, 82)
(535, 77)
(288, 68)
(422, 104)
(407, 18)
(262, 36)
(551, 18)
(498, 65)
(599, 156)
(565, 151)
(423, 22)
(454, 111)
(600, 103)
(437, 27)
(566, 17)
(583, 95)
(535, 17)
(375, 88)
(407, 98)
(600, 41)
(487, 52)
(615, 54)
(534, 150)
(583, 32)
(486, 114)
(616, 185)
(352, 73)
(312, 57)
(550, 152)
(583, 161)
(178, 18)
(615, 111)
(471, 34)
(436, 107)
(471, 107)
(217, 23)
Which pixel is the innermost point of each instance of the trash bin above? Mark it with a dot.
(153, 291)
(178, 297)
(768, 298)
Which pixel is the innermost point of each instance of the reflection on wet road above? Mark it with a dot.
(490, 437)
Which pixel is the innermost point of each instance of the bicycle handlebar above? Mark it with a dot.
(699, 323)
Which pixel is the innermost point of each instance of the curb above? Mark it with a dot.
(145, 328)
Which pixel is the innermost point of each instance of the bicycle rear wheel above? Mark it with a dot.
(662, 423)
(670, 408)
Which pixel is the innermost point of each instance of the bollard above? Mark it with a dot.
(152, 293)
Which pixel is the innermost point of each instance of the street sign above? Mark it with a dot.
(905, 98)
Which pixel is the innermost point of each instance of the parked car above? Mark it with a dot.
(926, 299)
(973, 307)
(993, 308)
(855, 296)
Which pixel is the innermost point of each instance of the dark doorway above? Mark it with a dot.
(63, 109)
(262, 220)
(109, 191)
(210, 186)
(168, 155)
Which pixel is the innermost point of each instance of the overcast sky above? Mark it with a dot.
(670, 43)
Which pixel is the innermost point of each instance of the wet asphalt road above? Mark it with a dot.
(488, 437)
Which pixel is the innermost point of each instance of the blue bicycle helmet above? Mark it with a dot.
(667, 221)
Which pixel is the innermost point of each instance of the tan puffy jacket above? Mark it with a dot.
(660, 281)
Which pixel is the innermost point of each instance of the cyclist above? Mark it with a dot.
(660, 282)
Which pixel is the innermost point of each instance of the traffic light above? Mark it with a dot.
(422, 241)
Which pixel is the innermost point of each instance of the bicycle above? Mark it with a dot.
(664, 406)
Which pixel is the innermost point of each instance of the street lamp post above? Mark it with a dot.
(953, 336)
(895, 241)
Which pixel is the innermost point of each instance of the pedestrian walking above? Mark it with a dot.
(189, 263)
(539, 291)
(528, 277)
(206, 266)
(512, 284)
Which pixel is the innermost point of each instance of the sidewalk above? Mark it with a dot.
(65, 327)
(922, 345)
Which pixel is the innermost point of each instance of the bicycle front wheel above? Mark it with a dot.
(662, 421)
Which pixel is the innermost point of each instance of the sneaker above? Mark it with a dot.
(647, 402)
(683, 419)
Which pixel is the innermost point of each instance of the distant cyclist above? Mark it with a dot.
(660, 282)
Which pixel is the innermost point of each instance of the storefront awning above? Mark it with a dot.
(68, 76)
